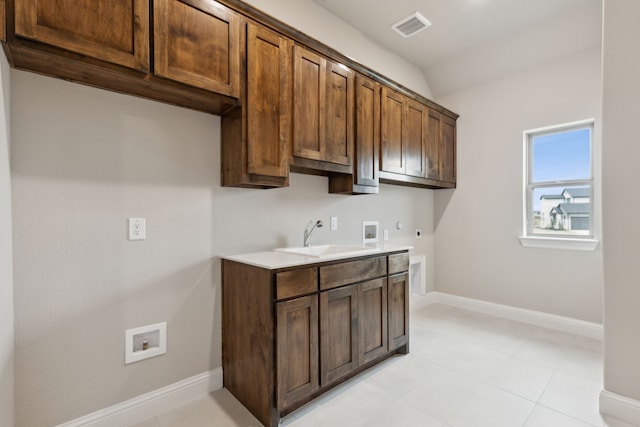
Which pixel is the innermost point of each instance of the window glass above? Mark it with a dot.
(559, 184)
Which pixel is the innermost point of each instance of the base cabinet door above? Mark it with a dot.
(398, 300)
(372, 320)
(114, 31)
(338, 333)
(297, 350)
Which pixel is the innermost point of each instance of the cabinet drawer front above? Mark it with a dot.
(344, 273)
(398, 263)
(296, 282)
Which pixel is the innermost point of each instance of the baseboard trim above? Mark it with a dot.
(552, 321)
(153, 403)
(620, 407)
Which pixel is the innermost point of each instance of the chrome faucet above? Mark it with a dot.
(307, 231)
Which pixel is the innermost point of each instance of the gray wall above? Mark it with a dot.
(478, 254)
(83, 161)
(6, 256)
(621, 90)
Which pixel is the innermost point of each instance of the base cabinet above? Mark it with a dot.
(330, 321)
(297, 356)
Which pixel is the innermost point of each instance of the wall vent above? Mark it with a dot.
(411, 25)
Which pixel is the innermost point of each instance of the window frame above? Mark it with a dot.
(557, 240)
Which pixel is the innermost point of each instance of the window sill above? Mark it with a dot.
(559, 243)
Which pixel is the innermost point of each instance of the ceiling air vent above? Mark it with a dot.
(411, 25)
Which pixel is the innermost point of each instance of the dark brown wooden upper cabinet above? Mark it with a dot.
(256, 136)
(197, 42)
(365, 177)
(115, 31)
(441, 148)
(367, 147)
(447, 153)
(434, 138)
(391, 147)
(322, 109)
(404, 134)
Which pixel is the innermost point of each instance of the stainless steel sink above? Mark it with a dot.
(326, 251)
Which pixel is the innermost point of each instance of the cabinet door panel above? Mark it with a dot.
(372, 320)
(268, 102)
(392, 110)
(448, 151)
(434, 138)
(367, 131)
(308, 104)
(116, 31)
(414, 138)
(398, 301)
(297, 349)
(197, 42)
(338, 333)
(339, 114)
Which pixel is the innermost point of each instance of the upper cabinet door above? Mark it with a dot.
(339, 114)
(268, 102)
(197, 42)
(367, 131)
(391, 113)
(414, 138)
(448, 150)
(309, 94)
(322, 109)
(115, 31)
(434, 138)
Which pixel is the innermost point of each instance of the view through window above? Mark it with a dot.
(559, 187)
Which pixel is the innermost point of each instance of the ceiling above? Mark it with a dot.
(474, 41)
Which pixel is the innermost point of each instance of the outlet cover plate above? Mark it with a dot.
(137, 229)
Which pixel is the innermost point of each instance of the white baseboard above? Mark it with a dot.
(552, 321)
(153, 403)
(620, 407)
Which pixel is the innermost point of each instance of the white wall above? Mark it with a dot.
(621, 151)
(6, 256)
(83, 161)
(477, 251)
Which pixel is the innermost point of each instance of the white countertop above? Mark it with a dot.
(273, 260)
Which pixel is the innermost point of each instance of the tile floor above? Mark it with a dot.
(465, 369)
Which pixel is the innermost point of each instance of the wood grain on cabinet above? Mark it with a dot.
(335, 275)
(256, 136)
(372, 320)
(115, 31)
(414, 137)
(391, 147)
(297, 356)
(338, 333)
(434, 140)
(248, 355)
(296, 282)
(447, 152)
(398, 301)
(399, 263)
(197, 42)
(322, 110)
(365, 177)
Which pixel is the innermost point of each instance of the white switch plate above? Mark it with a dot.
(334, 223)
(137, 229)
(385, 235)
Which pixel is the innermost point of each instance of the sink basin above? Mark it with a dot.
(325, 251)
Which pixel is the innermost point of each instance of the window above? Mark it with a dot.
(559, 187)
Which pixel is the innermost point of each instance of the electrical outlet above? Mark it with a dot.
(385, 235)
(334, 223)
(137, 229)
(418, 233)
